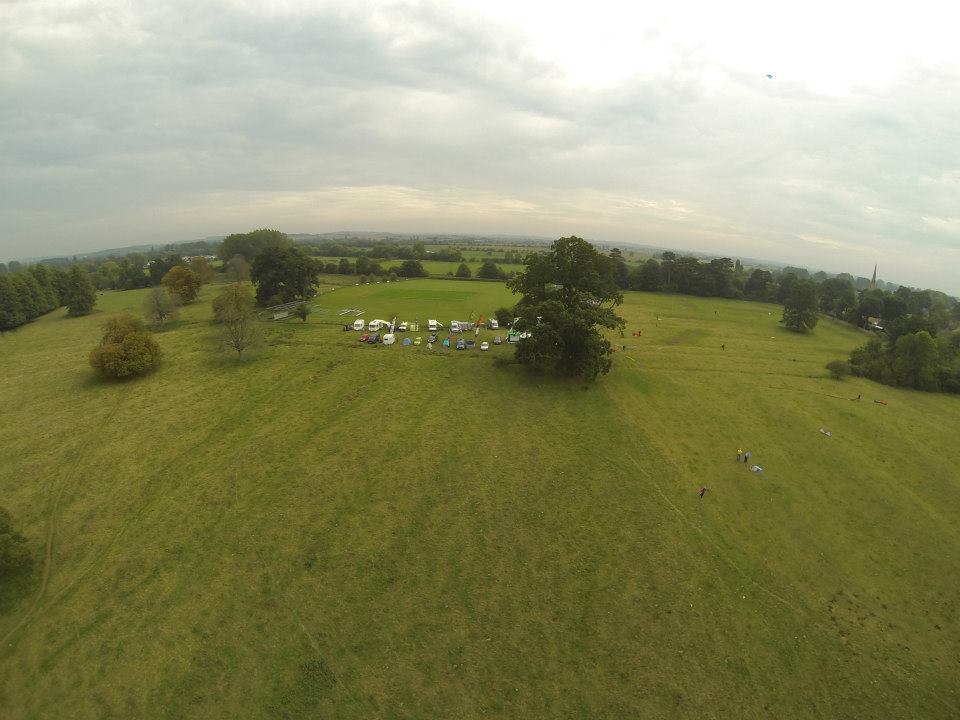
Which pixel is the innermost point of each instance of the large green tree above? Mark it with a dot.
(916, 361)
(282, 275)
(567, 295)
(800, 306)
(412, 269)
(250, 244)
(80, 296)
(491, 271)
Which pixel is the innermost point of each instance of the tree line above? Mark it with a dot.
(28, 293)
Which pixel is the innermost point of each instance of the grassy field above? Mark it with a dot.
(329, 529)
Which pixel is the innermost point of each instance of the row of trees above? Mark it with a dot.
(920, 360)
(29, 293)
(488, 270)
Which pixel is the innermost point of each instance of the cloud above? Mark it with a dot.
(127, 122)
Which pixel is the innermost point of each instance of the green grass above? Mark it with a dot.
(329, 529)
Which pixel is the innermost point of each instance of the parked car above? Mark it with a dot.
(484, 345)
(365, 337)
(432, 338)
(461, 345)
(498, 340)
(403, 327)
(471, 344)
(375, 338)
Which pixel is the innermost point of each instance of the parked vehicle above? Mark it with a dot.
(402, 327)
(471, 344)
(454, 326)
(432, 326)
(432, 338)
(498, 340)
(484, 345)
(461, 345)
(364, 337)
(493, 324)
(375, 338)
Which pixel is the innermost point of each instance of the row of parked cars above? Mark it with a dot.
(461, 343)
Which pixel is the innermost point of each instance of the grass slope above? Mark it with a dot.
(337, 530)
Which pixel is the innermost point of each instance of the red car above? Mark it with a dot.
(364, 337)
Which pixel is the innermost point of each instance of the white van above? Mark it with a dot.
(454, 326)
(493, 324)
(432, 325)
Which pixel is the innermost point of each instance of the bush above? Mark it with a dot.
(504, 317)
(125, 349)
(183, 283)
(302, 311)
(839, 369)
(159, 306)
(13, 546)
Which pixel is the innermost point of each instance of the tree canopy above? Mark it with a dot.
(282, 275)
(125, 349)
(800, 307)
(182, 282)
(81, 295)
(249, 245)
(567, 294)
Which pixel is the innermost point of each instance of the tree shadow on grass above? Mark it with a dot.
(17, 587)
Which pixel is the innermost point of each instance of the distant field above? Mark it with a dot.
(331, 529)
(434, 267)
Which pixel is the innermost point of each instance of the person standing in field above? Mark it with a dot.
(746, 457)
(739, 454)
(703, 489)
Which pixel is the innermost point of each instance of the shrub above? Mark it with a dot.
(302, 311)
(125, 349)
(182, 283)
(839, 369)
(160, 306)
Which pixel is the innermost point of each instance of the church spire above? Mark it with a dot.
(873, 280)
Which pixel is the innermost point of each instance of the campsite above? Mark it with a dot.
(360, 531)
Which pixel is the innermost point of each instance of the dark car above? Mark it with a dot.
(432, 338)
(375, 338)
(365, 337)
(461, 344)
(471, 344)
(498, 340)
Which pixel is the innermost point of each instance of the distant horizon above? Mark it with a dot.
(546, 240)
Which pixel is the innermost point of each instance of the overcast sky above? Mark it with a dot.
(125, 123)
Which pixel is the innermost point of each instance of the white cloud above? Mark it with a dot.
(126, 122)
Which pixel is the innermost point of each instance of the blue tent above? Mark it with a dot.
(446, 342)
(407, 341)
